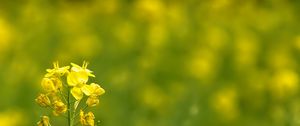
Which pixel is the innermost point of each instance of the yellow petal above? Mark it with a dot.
(90, 74)
(83, 69)
(75, 67)
(61, 71)
(71, 79)
(77, 93)
(97, 90)
(82, 77)
(75, 78)
(87, 90)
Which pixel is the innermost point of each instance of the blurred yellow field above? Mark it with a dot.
(161, 62)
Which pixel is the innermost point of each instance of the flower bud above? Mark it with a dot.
(44, 121)
(92, 101)
(87, 119)
(59, 108)
(43, 100)
(48, 85)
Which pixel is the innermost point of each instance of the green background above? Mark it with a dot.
(161, 62)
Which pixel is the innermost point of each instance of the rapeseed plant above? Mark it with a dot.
(57, 95)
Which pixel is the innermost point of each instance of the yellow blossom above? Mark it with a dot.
(57, 71)
(59, 108)
(87, 119)
(79, 75)
(77, 68)
(44, 121)
(78, 78)
(93, 91)
(43, 100)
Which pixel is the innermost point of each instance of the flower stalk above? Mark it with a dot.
(69, 110)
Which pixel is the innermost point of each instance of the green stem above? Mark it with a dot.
(63, 96)
(70, 123)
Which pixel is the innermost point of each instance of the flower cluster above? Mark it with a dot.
(58, 95)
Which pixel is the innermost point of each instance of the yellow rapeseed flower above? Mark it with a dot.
(79, 75)
(57, 71)
(93, 91)
(53, 95)
(87, 119)
(78, 78)
(43, 100)
(44, 121)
